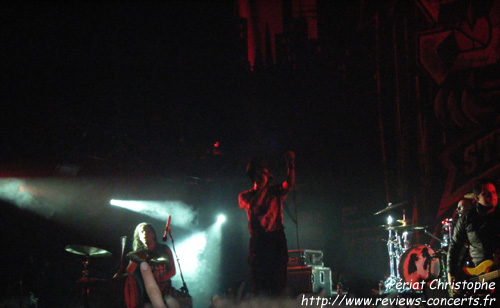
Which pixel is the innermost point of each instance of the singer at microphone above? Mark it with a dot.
(268, 253)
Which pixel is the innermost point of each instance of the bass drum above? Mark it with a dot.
(417, 264)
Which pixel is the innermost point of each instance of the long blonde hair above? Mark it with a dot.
(137, 243)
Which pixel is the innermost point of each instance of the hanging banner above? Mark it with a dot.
(475, 156)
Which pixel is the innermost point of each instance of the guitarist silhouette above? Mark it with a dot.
(480, 228)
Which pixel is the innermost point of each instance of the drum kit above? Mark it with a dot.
(88, 285)
(412, 266)
(150, 256)
(96, 292)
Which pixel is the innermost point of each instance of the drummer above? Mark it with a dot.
(145, 239)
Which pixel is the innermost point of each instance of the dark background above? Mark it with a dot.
(129, 99)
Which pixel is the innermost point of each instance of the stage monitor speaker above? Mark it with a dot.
(310, 279)
(305, 257)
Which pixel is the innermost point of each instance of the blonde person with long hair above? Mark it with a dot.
(145, 239)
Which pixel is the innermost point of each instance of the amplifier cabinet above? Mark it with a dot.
(309, 279)
(305, 257)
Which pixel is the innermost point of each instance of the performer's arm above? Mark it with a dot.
(457, 242)
(245, 202)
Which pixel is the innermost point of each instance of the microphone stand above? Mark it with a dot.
(184, 288)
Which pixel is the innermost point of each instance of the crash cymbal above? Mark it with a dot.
(402, 227)
(469, 196)
(88, 251)
(413, 227)
(390, 207)
(153, 257)
(403, 222)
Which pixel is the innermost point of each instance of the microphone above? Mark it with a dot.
(167, 228)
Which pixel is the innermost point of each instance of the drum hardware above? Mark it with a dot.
(405, 239)
(403, 227)
(87, 251)
(397, 243)
(412, 267)
(394, 250)
(447, 226)
(403, 222)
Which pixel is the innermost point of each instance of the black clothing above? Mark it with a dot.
(268, 252)
(481, 231)
(268, 258)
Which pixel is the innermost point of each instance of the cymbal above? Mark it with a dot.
(403, 222)
(88, 251)
(402, 227)
(390, 207)
(469, 196)
(153, 257)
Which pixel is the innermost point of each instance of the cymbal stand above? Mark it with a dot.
(405, 241)
(405, 236)
(84, 279)
(85, 272)
(390, 282)
(394, 251)
(448, 232)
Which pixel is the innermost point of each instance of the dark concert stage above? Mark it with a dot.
(119, 113)
(51, 213)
